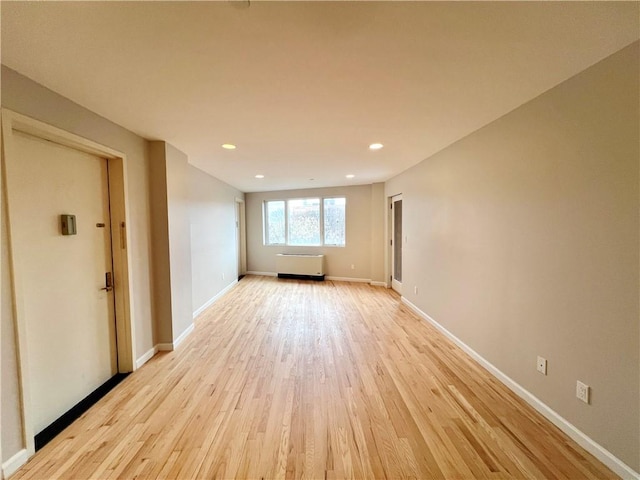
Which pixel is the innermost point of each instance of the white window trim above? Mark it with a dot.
(286, 222)
(265, 222)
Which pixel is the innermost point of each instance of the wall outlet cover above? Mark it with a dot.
(582, 391)
(542, 365)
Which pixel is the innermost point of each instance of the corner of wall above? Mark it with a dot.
(378, 212)
(159, 245)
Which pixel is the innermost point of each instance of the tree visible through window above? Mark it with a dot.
(305, 222)
(275, 222)
(334, 221)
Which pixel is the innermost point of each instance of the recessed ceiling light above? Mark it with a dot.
(228, 146)
(259, 176)
(375, 146)
(351, 175)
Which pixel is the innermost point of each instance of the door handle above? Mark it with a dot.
(108, 280)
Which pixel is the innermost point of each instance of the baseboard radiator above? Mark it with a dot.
(300, 266)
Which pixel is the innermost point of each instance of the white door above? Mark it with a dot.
(69, 316)
(396, 243)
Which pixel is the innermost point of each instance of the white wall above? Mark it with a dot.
(523, 241)
(361, 237)
(213, 236)
(29, 98)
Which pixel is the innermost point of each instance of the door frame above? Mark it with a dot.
(241, 236)
(12, 121)
(393, 283)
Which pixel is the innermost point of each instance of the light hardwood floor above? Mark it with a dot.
(294, 379)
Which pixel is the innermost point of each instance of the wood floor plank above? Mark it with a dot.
(294, 379)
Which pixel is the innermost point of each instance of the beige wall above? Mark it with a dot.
(213, 236)
(338, 260)
(29, 98)
(179, 239)
(10, 406)
(522, 240)
(378, 238)
(172, 245)
(163, 331)
(167, 197)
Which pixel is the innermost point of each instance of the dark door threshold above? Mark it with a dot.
(48, 434)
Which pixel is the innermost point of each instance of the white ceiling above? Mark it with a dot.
(303, 88)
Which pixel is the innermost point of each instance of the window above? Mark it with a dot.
(305, 222)
(275, 223)
(334, 221)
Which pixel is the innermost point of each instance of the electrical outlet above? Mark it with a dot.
(353, 267)
(582, 392)
(415, 290)
(542, 365)
(223, 276)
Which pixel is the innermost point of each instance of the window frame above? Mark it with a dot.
(265, 222)
(320, 224)
(321, 199)
(322, 231)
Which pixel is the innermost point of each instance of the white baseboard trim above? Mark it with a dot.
(164, 347)
(379, 284)
(183, 335)
(597, 450)
(214, 299)
(263, 274)
(12, 465)
(348, 279)
(148, 355)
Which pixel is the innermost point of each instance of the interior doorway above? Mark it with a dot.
(396, 243)
(241, 238)
(68, 273)
(68, 268)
